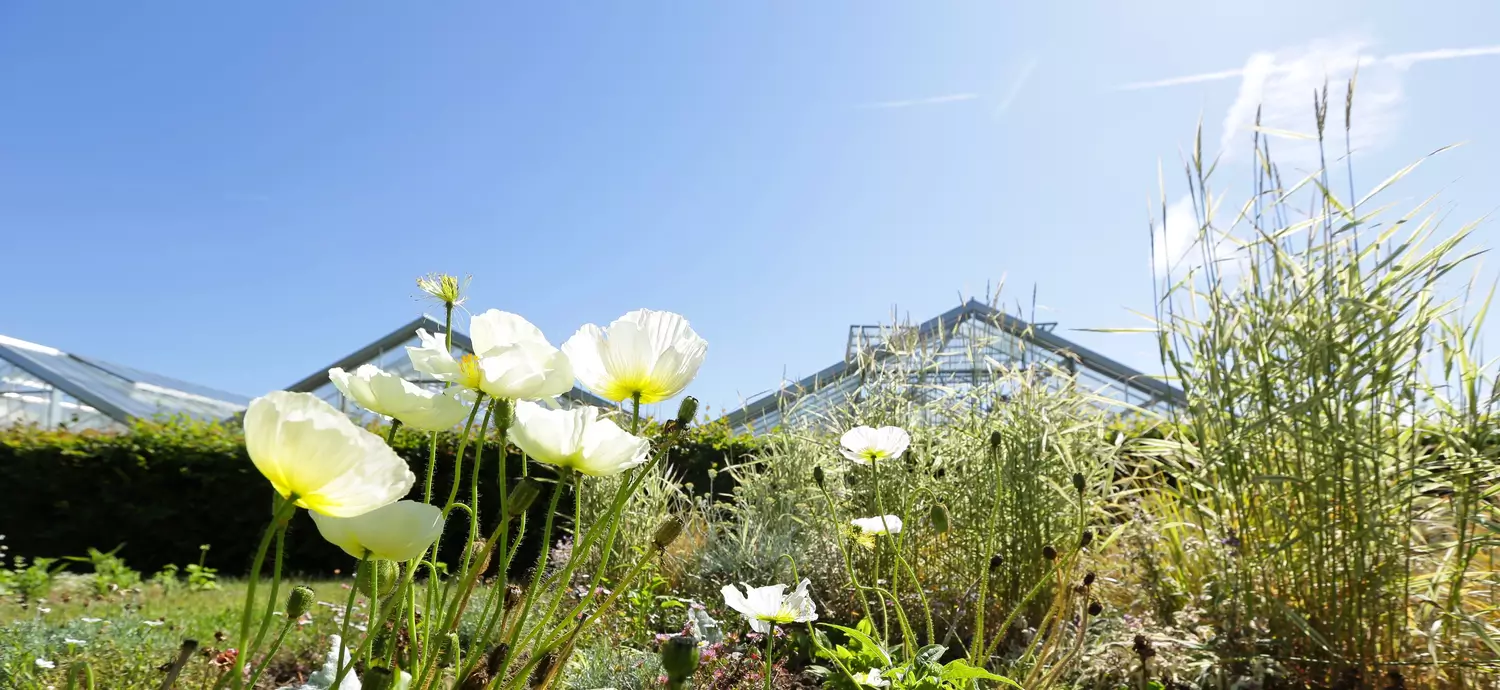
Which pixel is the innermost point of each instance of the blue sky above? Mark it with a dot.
(237, 195)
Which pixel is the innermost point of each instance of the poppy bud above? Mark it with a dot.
(449, 655)
(939, 518)
(667, 532)
(1088, 579)
(1049, 553)
(687, 410)
(679, 658)
(522, 496)
(818, 476)
(995, 439)
(380, 573)
(1095, 608)
(1086, 539)
(298, 602)
(1078, 481)
(996, 561)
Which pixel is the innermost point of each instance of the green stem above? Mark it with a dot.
(537, 575)
(885, 619)
(844, 550)
(275, 646)
(271, 601)
(390, 436)
(284, 511)
(344, 630)
(770, 638)
(431, 465)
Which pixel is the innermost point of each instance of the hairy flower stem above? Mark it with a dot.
(885, 619)
(271, 600)
(284, 512)
(344, 628)
(835, 529)
(770, 639)
(275, 646)
(390, 436)
(537, 575)
(431, 465)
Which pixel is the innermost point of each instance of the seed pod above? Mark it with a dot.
(522, 496)
(513, 594)
(996, 561)
(1049, 553)
(1088, 579)
(451, 648)
(939, 518)
(1078, 481)
(679, 658)
(667, 532)
(1086, 539)
(818, 476)
(1095, 608)
(480, 556)
(687, 410)
(298, 602)
(995, 439)
(377, 573)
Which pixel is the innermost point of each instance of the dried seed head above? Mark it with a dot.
(543, 668)
(513, 594)
(996, 561)
(667, 532)
(1095, 608)
(480, 556)
(1088, 579)
(1142, 647)
(447, 289)
(1078, 481)
(818, 477)
(995, 439)
(1049, 553)
(1086, 539)
(298, 602)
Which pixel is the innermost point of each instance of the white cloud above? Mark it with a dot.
(934, 100)
(1396, 60)
(1177, 241)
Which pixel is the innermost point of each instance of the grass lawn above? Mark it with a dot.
(126, 636)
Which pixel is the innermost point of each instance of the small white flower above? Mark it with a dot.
(884, 524)
(578, 438)
(871, 678)
(43, 609)
(770, 605)
(653, 354)
(511, 359)
(152, 624)
(400, 531)
(865, 445)
(390, 395)
(74, 642)
(86, 619)
(43, 663)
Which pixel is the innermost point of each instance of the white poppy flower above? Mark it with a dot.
(871, 678)
(865, 445)
(577, 438)
(400, 531)
(312, 451)
(390, 395)
(43, 663)
(654, 354)
(767, 606)
(511, 359)
(885, 524)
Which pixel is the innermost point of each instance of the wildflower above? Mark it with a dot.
(865, 445)
(390, 395)
(225, 659)
(648, 354)
(770, 605)
(316, 456)
(399, 531)
(871, 678)
(512, 359)
(43, 609)
(86, 619)
(884, 524)
(43, 663)
(153, 624)
(74, 642)
(577, 438)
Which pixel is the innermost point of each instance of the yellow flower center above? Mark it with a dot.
(469, 374)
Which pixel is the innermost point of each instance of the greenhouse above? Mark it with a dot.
(972, 344)
(50, 388)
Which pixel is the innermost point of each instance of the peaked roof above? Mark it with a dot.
(940, 328)
(119, 392)
(401, 335)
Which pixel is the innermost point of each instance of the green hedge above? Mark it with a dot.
(164, 488)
